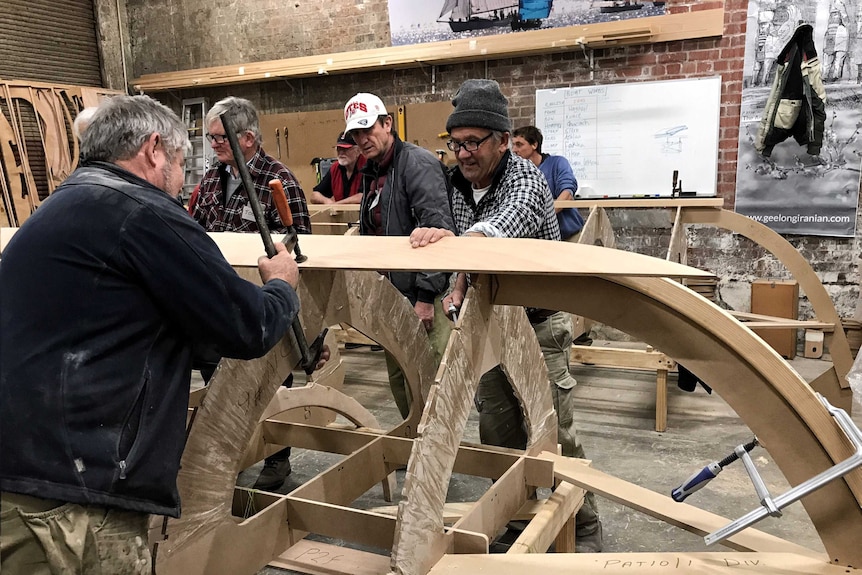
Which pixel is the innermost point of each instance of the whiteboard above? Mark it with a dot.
(626, 140)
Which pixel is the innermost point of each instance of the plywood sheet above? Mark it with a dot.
(477, 255)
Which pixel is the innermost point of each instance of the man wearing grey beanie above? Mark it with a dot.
(499, 194)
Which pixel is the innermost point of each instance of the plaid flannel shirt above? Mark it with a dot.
(211, 212)
(518, 205)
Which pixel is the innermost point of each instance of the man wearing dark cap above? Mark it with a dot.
(499, 194)
(342, 184)
(405, 188)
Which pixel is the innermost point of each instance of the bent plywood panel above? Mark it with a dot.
(475, 255)
(772, 399)
(801, 271)
(485, 336)
(769, 396)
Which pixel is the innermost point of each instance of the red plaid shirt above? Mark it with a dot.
(211, 212)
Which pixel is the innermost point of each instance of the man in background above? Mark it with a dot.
(100, 313)
(499, 194)
(82, 120)
(405, 187)
(342, 184)
(527, 143)
(221, 204)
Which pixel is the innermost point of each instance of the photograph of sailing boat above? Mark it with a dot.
(414, 22)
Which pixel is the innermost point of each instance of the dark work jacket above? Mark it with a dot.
(415, 194)
(796, 106)
(104, 291)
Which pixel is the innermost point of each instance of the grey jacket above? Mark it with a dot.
(416, 194)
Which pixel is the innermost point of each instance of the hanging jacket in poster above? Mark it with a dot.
(797, 102)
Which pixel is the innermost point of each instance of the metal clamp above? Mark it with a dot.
(772, 506)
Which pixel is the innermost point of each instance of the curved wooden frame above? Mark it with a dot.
(485, 336)
(759, 385)
(832, 383)
(371, 304)
(801, 271)
(767, 394)
(763, 389)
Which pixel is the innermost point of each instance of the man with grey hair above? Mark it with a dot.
(97, 339)
(82, 120)
(499, 194)
(222, 204)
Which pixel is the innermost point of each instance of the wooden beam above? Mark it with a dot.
(637, 203)
(661, 400)
(761, 321)
(667, 28)
(620, 357)
(638, 564)
(558, 510)
(340, 522)
(316, 558)
(662, 507)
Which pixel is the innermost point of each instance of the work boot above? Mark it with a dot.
(276, 468)
(591, 542)
(583, 339)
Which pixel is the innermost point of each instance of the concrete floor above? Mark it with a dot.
(616, 415)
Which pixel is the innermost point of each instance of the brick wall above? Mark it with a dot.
(169, 35)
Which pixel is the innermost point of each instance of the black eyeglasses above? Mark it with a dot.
(219, 138)
(468, 146)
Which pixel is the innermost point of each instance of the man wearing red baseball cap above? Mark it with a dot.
(342, 184)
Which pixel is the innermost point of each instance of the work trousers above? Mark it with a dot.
(501, 419)
(44, 537)
(439, 337)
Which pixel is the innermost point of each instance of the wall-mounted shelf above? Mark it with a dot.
(667, 28)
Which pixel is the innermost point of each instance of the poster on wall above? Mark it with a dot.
(800, 136)
(413, 22)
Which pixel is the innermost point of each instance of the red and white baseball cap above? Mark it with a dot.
(362, 110)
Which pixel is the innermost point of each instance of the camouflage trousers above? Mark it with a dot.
(439, 337)
(501, 420)
(45, 537)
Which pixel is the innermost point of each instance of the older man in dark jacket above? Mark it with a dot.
(102, 303)
(406, 188)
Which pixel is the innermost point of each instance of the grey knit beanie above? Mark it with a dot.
(480, 104)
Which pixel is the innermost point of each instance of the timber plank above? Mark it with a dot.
(662, 507)
(317, 558)
(637, 563)
(476, 255)
(667, 28)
